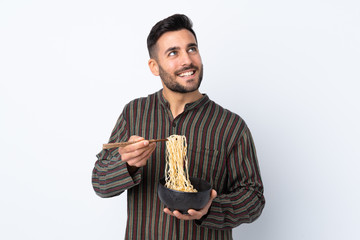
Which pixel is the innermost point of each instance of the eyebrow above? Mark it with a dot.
(177, 48)
(171, 49)
(192, 45)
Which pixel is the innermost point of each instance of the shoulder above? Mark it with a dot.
(230, 124)
(137, 103)
(228, 116)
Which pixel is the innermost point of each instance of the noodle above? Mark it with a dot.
(175, 176)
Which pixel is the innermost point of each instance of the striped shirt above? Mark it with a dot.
(220, 150)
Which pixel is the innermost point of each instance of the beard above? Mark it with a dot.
(170, 82)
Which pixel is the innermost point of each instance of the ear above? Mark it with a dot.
(154, 67)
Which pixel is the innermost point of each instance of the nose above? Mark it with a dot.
(185, 59)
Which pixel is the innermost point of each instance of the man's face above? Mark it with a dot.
(179, 61)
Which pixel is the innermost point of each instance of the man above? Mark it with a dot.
(220, 148)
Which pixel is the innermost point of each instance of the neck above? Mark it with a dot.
(178, 101)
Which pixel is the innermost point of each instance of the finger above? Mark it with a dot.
(134, 147)
(197, 214)
(167, 211)
(213, 194)
(144, 154)
(149, 151)
(129, 148)
(140, 160)
(135, 138)
(176, 214)
(181, 216)
(130, 152)
(203, 211)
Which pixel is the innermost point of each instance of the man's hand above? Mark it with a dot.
(193, 214)
(136, 154)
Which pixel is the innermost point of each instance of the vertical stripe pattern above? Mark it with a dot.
(220, 150)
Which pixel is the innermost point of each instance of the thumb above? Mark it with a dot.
(213, 194)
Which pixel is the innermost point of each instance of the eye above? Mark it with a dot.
(192, 49)
(172, 53)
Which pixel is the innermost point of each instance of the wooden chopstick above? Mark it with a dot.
(123, 144)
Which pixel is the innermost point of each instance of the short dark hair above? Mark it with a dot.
(173, 23)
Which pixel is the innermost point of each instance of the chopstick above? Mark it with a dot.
(123, 144)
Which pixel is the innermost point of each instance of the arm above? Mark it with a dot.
(244, 201)
(110, 176)
(117, 170)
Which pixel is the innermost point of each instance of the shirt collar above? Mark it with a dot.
(198, 103)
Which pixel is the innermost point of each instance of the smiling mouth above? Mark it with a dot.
(186, 74)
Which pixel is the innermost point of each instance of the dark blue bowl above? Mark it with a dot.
(183, 201)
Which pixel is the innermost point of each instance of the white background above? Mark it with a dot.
(289, 68)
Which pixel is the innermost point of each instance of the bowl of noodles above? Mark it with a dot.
(183, 201)
(178, 191)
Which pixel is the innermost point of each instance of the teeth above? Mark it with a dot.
(186, 74)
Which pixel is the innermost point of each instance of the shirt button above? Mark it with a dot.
(174, 124)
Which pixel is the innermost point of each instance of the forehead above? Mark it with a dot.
(180, 38)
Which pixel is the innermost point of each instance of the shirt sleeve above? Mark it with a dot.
(243, 201)
(110, 176)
